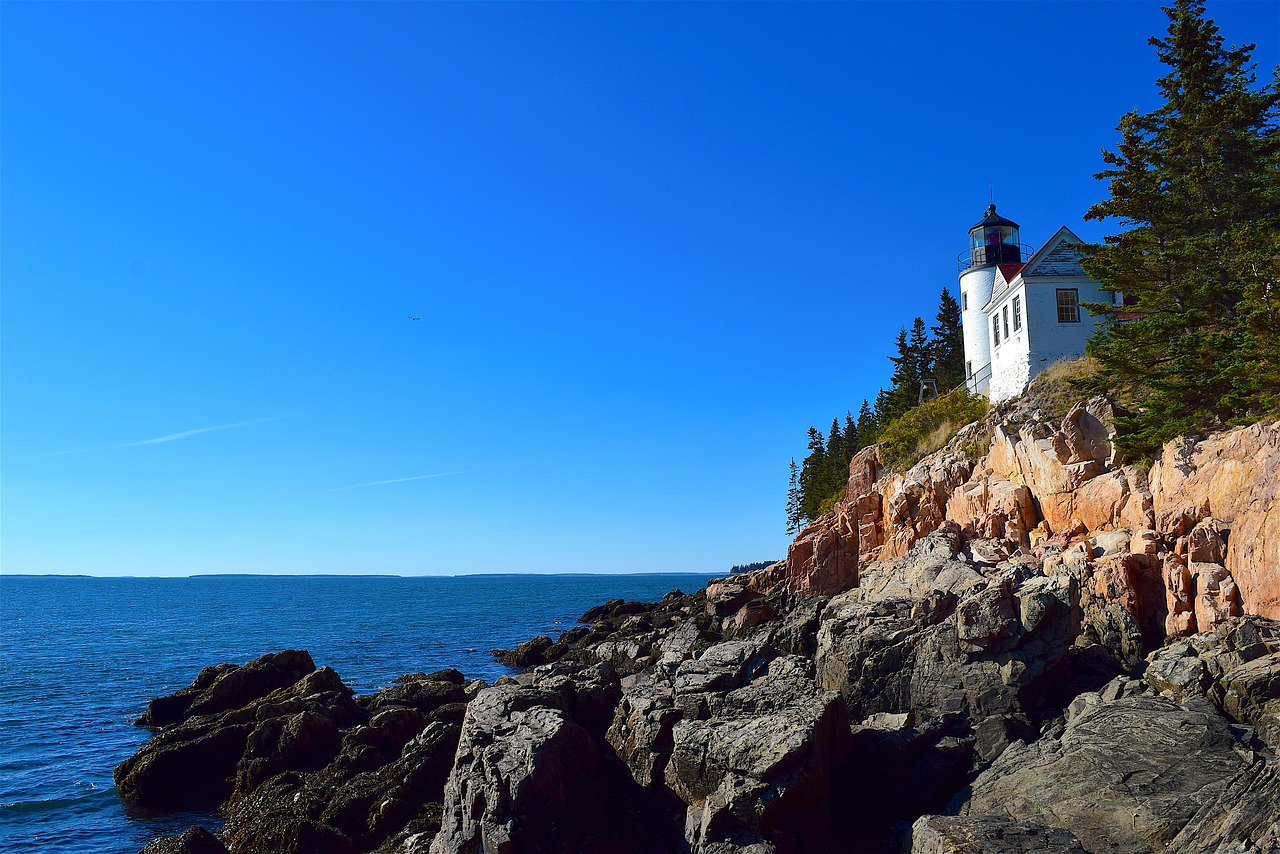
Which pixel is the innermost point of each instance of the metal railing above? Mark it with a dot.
(977, 378)
(976, 256)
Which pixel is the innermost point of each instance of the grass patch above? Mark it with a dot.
(928, 427)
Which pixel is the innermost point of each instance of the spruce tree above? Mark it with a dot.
(1197, 184)
(881, 411)
(812, 476)
(910, 366)
(946, 349)
(793, 501)
(867, 430)
(903, 383)
(851, 443)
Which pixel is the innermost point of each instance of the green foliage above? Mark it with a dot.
(946, 349)
(793, 501)
(928, 427)
(1197, 182)
(739, 568)
(829, 503)
(825, 471)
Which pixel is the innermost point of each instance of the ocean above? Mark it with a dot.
(80, 657)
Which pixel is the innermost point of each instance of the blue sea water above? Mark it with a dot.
(80, 657)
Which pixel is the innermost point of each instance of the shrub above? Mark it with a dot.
(927, 428)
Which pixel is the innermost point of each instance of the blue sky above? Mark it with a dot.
(649, 245)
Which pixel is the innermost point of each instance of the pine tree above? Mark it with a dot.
(910, 366)
(901, 395)
(851, 443)
(812, 472)
(881, 411)
(946, 349)
(1197, 181)
(867, 429)
(835, 443)
(793, 501)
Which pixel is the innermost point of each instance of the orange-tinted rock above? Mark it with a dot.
(1179, 593)
(1216, 596)
(1235, 477)
(823, 560)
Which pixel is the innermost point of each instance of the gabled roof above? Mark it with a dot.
(1057, 257)
(1006, 278)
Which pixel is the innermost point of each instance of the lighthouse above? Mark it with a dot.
(993, 241)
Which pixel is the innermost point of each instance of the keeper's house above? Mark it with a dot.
(1021, 309)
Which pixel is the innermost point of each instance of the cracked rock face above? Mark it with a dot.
(1044, 644)
(1124, 776)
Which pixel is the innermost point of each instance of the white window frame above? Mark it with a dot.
(1017, 313)
(1074, 304)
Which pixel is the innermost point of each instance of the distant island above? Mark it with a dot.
(750, 567)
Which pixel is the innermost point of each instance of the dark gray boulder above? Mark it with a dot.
(988, 834)
(194, 840)
(1125, 776)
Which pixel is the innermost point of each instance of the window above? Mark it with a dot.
(1005, 311)
(964, 300)
(995, 330)
(1068, 305)
(968, 369)
(1017, 313)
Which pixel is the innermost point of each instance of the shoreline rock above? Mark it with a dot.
(1041, 649)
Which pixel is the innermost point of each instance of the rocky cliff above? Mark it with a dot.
(1020, 644)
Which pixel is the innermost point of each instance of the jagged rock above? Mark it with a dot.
(356, 803)
(194, 840)
(229, 686)
(823, 559)
(531, 653)
(641, 730)
(194, 763)
(988, 834)
(1232, 477)
(1237, 667)
(531, 772)
(1125, 776)
(761, 767)
(946, 656)
(1244, 817)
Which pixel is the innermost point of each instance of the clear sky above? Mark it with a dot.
(648, 246)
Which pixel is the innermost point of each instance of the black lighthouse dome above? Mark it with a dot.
(994, 240)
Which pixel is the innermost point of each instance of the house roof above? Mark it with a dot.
(1059, 256)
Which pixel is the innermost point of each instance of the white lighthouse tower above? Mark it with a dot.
(994, 241)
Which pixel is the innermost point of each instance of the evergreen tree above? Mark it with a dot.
(793, 501)
(910, 366)
(921, 352)
(851, 443)
(835, 443)
(902, 383)
(812, 476)
(1197, 181)
(836, 474)
(867, 431)
(946, 350)
(881, 412)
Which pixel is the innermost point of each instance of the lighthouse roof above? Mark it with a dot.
(990, 217)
